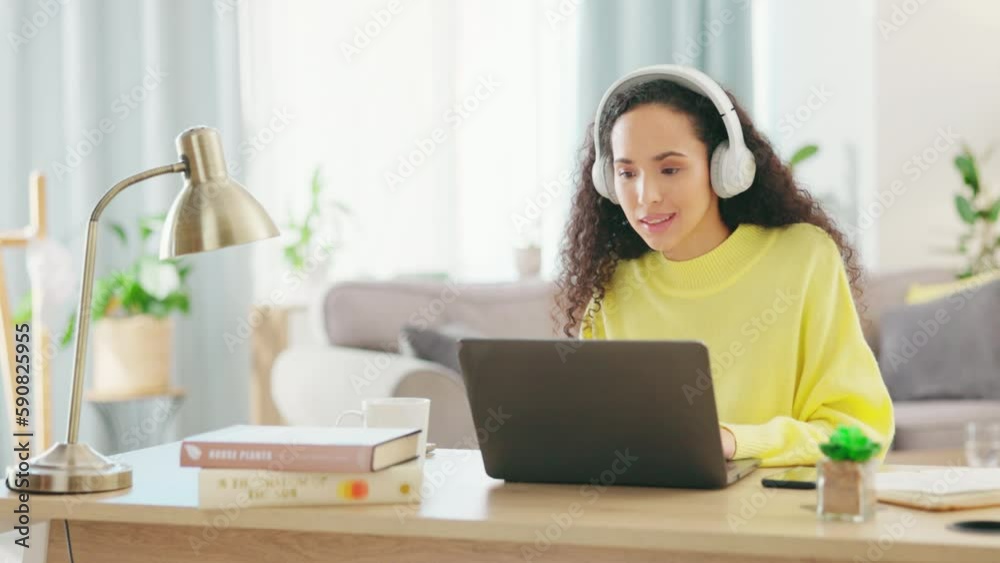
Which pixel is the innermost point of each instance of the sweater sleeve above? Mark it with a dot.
(838, 381)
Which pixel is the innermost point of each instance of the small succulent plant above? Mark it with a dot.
(849, 443)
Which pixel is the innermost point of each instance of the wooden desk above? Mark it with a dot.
(466, 516)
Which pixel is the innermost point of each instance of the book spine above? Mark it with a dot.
(227, 488)
(277, 457)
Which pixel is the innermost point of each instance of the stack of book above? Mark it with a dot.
(249, 466)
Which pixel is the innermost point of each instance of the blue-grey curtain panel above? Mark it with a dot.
(617, 36)
(92, 92)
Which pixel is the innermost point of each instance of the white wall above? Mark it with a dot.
(813, 78)
(937, 68)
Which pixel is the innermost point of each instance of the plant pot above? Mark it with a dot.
(846, 489)
(132, 356)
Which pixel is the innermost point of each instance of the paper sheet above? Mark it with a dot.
(952, 480)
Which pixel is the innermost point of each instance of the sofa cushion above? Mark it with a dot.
(435, 344)
(944, 349)
(885, 291)
(371, 314)
(922, 292)
(938, 424)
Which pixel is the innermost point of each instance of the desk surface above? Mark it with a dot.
(461, 502)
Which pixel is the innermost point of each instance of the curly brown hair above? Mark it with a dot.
(598, 235)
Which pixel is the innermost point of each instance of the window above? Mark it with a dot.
(439, 123)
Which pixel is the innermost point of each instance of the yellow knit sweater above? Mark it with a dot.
(788, 360)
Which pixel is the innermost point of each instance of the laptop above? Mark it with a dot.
(598, 412)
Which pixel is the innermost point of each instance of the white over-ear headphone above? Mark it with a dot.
(732, 166)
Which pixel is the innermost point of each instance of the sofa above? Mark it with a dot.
(361, 323)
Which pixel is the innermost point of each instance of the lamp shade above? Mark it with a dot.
(212, 211)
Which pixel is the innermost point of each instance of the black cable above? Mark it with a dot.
(69, 543)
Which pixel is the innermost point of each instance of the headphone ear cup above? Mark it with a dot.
(731, 172)
(717, 171)
(602, 176)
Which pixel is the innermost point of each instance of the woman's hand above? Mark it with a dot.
(728, 443)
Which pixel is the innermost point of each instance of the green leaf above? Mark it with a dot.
(849, 443)
(803, 154)
(120, 231)
(148, 225)
(135, 300)
(293, 257)
(177, 301)
(994, 212)
(67, 335)
(317, 182)
(966, 166)
(106, 289)
(965, 210)
(963, 242)
(22, 313)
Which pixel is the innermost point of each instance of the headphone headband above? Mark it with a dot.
(725, 182)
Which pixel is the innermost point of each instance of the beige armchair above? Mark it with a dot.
(312, 385)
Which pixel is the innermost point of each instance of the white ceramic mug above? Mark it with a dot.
(395, 412)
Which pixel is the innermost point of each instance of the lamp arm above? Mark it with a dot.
(87, 289)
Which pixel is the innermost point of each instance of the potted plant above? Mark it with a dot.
(845, 482)
(979, 210)
(310, 247)
(130, 311)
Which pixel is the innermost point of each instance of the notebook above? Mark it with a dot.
(953, 488)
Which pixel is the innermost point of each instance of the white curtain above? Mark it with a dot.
(446, 126)
(91, 92)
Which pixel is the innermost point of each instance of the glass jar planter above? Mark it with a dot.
(846, 489)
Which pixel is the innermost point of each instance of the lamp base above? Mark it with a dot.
(69, 468)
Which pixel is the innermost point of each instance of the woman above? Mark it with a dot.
(763, 278)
